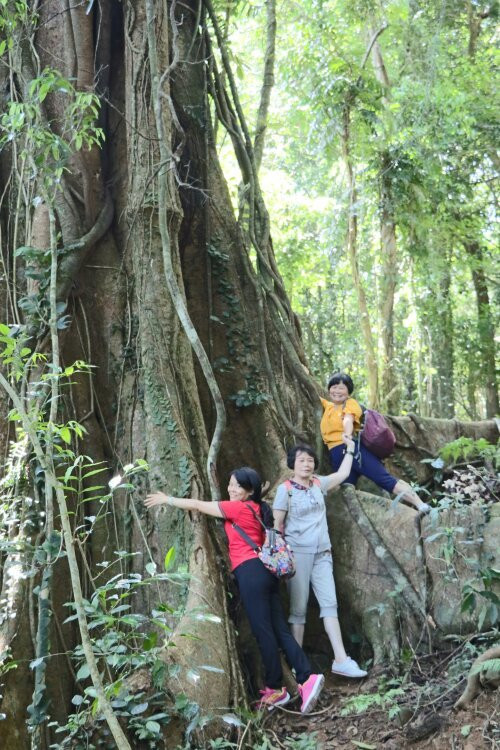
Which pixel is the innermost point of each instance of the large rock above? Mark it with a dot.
(396, 588)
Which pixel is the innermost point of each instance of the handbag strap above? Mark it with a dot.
(244, 535)
(256, 548)
(259, 519)
(246, 538)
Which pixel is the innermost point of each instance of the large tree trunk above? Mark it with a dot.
(149, 397)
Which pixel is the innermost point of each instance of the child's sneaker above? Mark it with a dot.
(348, 668)
(272, 697)
(309, 692)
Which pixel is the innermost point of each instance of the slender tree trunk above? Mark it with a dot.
(443, 360)
(486, 331)
(387, 289)
(352, 249)
(267, 82)
(390, 271)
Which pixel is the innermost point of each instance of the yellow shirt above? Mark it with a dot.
(331, 423)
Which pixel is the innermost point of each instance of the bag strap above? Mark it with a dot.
(288, 484)
(244, 535)
(246, 538)
(259, 519)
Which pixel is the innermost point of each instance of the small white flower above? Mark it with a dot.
(114, 482)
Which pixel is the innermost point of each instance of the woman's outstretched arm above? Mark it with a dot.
(183, 503)
(333, 480)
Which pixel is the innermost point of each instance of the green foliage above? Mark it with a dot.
(429, 139)
(304, 741)
(386, 698)
(464, 448)
(46, 151)
(249, 395)
(489, 665)
(126, 641)
(483, 602)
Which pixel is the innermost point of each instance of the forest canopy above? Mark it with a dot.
(421, 148)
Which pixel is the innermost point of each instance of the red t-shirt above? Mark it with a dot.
(236, 510)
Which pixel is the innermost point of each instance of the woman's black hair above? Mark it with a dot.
(300, 448)
(341, 377)
(250, 480)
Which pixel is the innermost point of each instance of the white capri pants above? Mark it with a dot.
(315, 569)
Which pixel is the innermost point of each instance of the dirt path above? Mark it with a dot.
(418, 722)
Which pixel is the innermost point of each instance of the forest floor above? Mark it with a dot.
(417, 714)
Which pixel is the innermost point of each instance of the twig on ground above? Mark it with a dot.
(313, 713)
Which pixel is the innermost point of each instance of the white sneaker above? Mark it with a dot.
(348, 668)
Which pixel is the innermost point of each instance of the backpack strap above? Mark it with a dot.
(357, 438)
(288, 486)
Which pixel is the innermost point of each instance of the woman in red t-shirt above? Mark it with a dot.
(259, 589)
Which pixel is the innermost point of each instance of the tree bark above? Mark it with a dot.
(148, 397)
(389, 277)
(267, 82)
(485, 328)
(387, 288)
(352, 249)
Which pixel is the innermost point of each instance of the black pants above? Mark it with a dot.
(259, 591)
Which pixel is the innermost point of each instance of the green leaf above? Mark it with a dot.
(363, 745)
(65, 434)
(150, 641)
(83, 672)
(95, 471)
(139, 708)
(169, 558)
